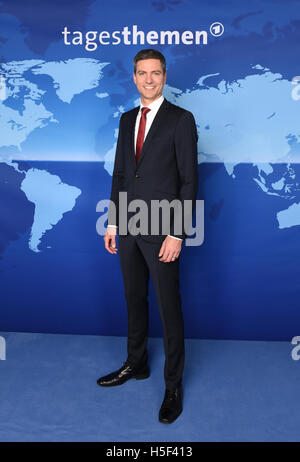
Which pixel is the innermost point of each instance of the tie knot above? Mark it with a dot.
(145, 111)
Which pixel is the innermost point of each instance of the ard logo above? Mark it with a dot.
(2, 348)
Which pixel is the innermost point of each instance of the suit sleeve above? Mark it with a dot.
(117, 179)
(186, 138)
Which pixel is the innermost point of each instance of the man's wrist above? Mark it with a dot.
(112, 229)
(178, 238)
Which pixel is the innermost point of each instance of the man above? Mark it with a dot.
(156, 158)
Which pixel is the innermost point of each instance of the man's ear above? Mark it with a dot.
(134, 78)
(165, 77)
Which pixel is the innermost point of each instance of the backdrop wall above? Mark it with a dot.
(62, 93)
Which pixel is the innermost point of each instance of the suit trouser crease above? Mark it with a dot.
(139, 259)
(136, 278)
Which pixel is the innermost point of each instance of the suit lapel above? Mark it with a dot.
(161, 113)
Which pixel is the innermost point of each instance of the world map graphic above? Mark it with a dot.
(266, 137)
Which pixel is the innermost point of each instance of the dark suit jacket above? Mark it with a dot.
(167, 167)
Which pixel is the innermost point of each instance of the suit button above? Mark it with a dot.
(137, 176)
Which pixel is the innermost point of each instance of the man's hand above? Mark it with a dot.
(170, 249)
(110, 240)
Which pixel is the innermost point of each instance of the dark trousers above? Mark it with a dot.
(139, 260)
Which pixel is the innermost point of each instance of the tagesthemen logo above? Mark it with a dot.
(131, 35)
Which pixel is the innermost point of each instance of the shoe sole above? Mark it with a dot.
(143, 376)
(170, 421)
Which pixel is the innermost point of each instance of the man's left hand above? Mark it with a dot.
(170, 249)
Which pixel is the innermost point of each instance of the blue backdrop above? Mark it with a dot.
(60, 104)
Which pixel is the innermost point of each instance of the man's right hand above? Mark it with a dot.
(110, 240)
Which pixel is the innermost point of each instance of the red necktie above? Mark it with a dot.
(141, 133)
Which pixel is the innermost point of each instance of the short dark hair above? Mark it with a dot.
(149, 54)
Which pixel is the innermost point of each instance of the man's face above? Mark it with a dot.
(149, 79)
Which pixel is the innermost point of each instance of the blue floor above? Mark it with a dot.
(233, 391)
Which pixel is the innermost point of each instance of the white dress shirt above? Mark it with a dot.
(154, 106)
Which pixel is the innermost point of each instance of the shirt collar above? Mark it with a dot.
(155, 104)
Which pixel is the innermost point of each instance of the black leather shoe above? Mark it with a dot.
(123, 374)
(171, 407)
